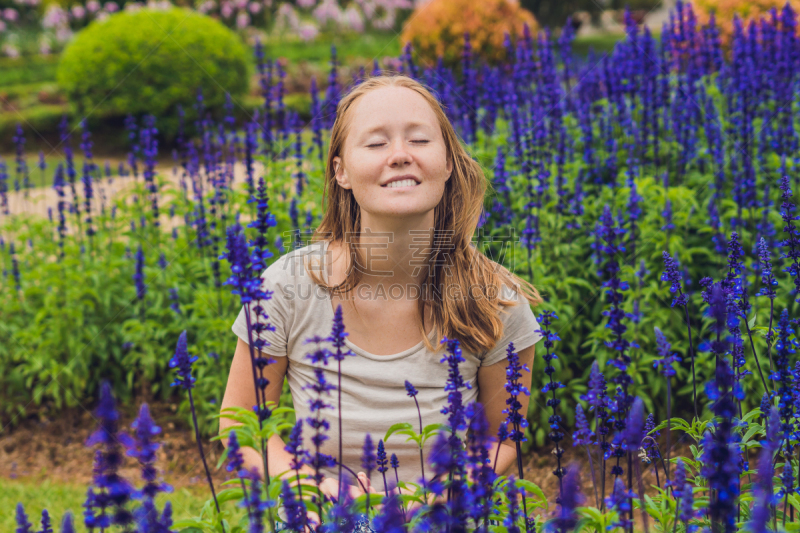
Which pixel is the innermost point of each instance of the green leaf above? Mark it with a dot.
(397, 427)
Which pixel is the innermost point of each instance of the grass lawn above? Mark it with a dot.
(368, 45)
(600, 43)
(57, 498)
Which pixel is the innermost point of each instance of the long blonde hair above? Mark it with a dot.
(474, 321)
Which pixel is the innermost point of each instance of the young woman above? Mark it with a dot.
(402, 201)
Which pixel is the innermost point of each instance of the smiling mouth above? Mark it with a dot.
(401, 184)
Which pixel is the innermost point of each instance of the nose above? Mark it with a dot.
(399, 155)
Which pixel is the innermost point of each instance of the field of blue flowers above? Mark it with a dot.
(648, 194)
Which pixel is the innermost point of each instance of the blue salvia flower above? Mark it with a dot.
(317, 421)
(263, 221)
(147, 518)
(131, 128)
(483, 476)
(293, 216)
(173, 297)
(246, 282)
(316, 122)
(88, 168)
(513, 516)
(3, 187)
(90, 520)
(668, 358)
(23, 526)
(114, 491)
(766, 405)
(555, 435)
(763, 490)
(672, 275)
(596, 394)
(514, 388)
(257, 506)
(598, 401)
(46, 526)
(785, 349)
(14, 266)
(719, 314)
(22, 165)
(368, 458)
(502, 208)
(67, 525)
(343, 514)
(236, 463)
(183, 362)
(442, 460)
(295, 509)
(297, 127)
(620, 502)
(148, 137)
(391, 518)
(144, 449)
(235, 457)
(650, 445)
(138, 276)
(722, 451)
(687, 504)
(410, 390)
(768, 280)
(678, 479)
(570, 501)
(612, 248)
(320, 355)
(382, 461)
(295, 447)
(454, 408)
(166, 517)
(338, 353)
(633, 433)
(791, 244)
(583, 434)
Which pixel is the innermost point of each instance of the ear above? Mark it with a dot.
(340, 174)
(449, 168)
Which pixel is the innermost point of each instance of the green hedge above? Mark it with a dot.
(151, 61)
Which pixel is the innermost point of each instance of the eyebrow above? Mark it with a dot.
(410, 126)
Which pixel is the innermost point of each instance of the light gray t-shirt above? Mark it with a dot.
(373, 386)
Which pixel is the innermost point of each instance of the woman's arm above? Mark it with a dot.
(240, 392)
(492, 394)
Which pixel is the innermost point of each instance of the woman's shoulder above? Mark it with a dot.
(293, 263)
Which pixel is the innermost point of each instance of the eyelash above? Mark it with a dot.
(417, 141)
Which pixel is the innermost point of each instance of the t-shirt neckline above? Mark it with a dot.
(328, 302)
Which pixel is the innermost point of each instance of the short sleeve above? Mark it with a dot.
(278, 308)
(519, 326)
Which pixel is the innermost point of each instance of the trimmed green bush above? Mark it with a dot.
(151, 61)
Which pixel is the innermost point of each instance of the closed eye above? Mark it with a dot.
(381, 144)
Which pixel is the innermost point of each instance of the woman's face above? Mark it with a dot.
(394, 132)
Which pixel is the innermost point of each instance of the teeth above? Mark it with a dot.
(402, 183)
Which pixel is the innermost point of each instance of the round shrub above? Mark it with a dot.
(437, 29)
(151, 61)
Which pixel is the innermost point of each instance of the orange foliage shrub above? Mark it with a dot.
(747, 10)
(437, 29)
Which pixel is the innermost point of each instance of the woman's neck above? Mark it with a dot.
(395, 251)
